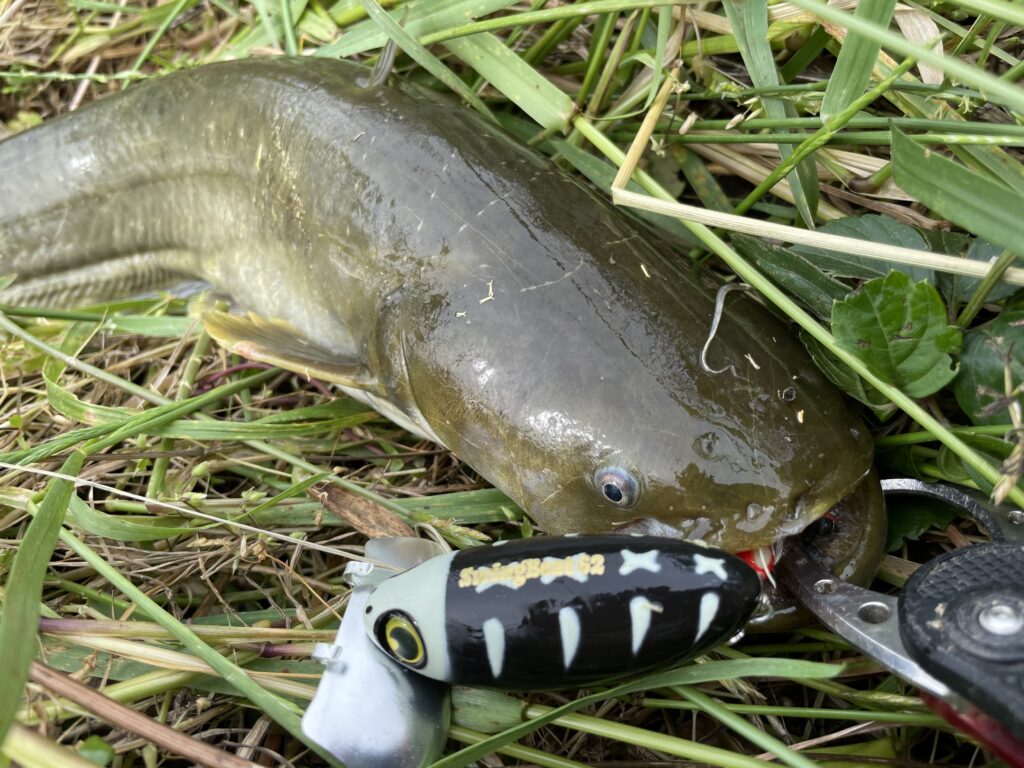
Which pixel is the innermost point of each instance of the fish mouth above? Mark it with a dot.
(848, 539)
(756, 530)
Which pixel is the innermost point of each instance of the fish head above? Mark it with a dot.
(592, 414)
(736, 468)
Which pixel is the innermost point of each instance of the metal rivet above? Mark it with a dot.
(825, 586)
(1001, 619)
(874, 613)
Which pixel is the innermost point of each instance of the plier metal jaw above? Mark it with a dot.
(957, 629)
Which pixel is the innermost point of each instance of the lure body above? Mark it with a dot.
(560, 612)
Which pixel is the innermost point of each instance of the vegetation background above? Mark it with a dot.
(231, 495)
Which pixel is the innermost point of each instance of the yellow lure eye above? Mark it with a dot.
(404, 640)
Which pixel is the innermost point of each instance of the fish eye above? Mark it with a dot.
(618, 486)
(402, 640)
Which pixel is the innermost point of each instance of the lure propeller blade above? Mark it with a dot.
(560, 612)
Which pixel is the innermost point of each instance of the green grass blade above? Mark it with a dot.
(664, 28)
(51, 351)
(744, 728)
(820, 137)
(423, 57)
(597, 55)
(520, 82)
(71, 439)
(525, 755)
(291, 46)
(30, 749)
(997, 9)
(546, 16)
(24, 588)
(280, 711)
(749, 20)
(266, 34)
(975, 202)
(117, 528)
(997, 90)
(161, 31)
(423, 21)
(690, 675)
(856, 59)
(267, 22)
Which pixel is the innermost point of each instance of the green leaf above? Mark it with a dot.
(950, 468)
(958, 288)
(847, 380)
(898, 328)
(977, 203)
(24, 589)
(944, 241)
(794, 273)
(703, 182)
(953, 469)
(856, 60)
(877, 229)
(902, 461)
(988, 351)
(910, 516)
(96, 750)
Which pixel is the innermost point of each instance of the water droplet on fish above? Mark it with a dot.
(706, 445)
(754, 510)
(788, 394)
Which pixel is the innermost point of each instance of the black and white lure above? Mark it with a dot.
(560, 612)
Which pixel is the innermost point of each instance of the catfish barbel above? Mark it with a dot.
(397, 245)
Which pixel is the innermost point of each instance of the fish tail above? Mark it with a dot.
(119, 198)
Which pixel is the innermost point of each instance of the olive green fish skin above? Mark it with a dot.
(505, 309)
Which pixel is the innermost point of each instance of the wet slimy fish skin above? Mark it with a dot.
(388, 241)
(561, 611)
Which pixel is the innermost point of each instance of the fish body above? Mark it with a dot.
(561, 611)
(411, 252)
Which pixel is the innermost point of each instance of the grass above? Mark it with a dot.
(175, 482)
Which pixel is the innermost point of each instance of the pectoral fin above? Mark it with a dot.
(279, 343)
